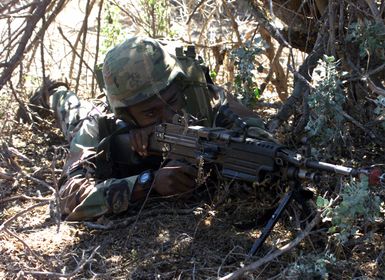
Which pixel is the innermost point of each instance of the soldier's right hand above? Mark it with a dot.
(175, 178)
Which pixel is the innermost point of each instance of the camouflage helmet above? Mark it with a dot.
(136, 70)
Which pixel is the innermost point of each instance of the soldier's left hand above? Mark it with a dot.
(139, 139)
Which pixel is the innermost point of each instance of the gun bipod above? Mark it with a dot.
(296, 192)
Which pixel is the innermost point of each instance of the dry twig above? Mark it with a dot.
(133, 219)
(23, 197)
(74, 50)
(97, 46)
(14, 217)
(89, 6)
(5, 176)
(75, 45)
(24, 243)
(375, 88)
(19, 54)
(193, 12)
(80, 266)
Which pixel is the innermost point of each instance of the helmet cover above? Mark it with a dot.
(136, 70)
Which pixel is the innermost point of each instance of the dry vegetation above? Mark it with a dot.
(209, 237)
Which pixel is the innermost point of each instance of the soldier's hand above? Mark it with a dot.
(139, 139)
(175, 178)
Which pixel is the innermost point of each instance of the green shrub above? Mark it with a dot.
(311, 266)
(370, 37)
(358, 206)
(112, 31)
(325, 127)
(246, 88)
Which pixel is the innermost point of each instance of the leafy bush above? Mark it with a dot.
(112, 30)
(310, 266)
(246, 88)
(156, 18)
(370, 37)
(153, 17)
(325, 127)
(358, 206)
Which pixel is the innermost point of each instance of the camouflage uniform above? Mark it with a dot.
(85, 195)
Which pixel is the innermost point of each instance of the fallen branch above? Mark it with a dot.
(5, 176)
(352, 120)
(253, 266)
(125, 222)
(15, 152)
(41, 182)
(80, 266)
(24, 243)
(14, 217)
(23, 197)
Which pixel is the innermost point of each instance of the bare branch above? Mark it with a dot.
(375, 88)
(89, 6)
(375, 11)
(300, 85)
(193, 12)
(233, 23)
(74, 50)
(97, 45)
(19, 54)
(75, 45)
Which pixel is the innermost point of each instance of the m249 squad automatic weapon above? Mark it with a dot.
(237, 155)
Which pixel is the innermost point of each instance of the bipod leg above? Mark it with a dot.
(272, 221)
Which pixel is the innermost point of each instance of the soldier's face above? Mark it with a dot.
(158, 109)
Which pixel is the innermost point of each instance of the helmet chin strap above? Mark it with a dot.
(128, 119)
(180, 90)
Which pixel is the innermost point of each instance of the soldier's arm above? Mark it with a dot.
(82, 195)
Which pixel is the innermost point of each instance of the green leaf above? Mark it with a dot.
(322, 202)
(257, 93)
(213, 74)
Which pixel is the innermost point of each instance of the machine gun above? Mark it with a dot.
(237, 156)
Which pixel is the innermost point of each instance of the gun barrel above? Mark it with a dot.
(338, 169)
